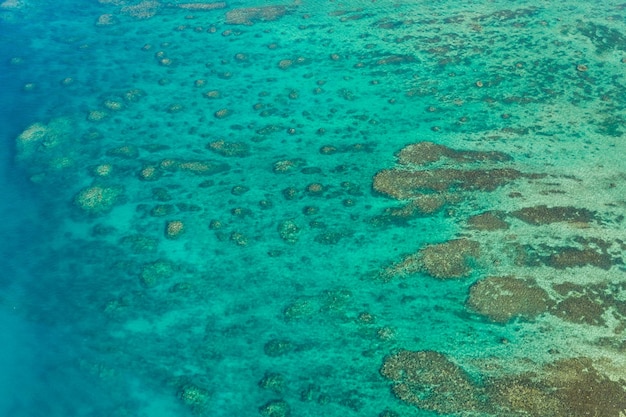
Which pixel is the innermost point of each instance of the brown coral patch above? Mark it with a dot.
(289, 231)
(502, 298)
(573, 257)
(193, 166)
(591, 252)
(396, 59)
(98, 199)
(420, 206)
(275, 408)
(156, 272)
(278, 347)
(545, 215)
(429, 380)
(404, 184)
(150, 173)
(224, 148)
(568, 387)
(126, 151)
(582, 309)
(444, 260)
(222, 113)
(143, 10)
(213, 94)
(287, 165)
(202, 6)
(423, 153)
(351, 148)
(519, 395)
(249, 15)
(450, 259)
(174, 229)
(269, 129)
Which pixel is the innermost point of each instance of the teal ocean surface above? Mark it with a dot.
(313, 208)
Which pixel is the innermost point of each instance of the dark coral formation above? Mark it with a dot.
(604, 38)
(250, 15)
(275, 408)
(545, 215)
(452, 259)
(419, 172)
(225, 148)
(429, 380)
(273, 381)
(423, 153)
(581, 309)
(502, 298)
(588, 304)
(289, 231)
(195, 397)
(567, 257)
(568, 387)
(423, 205)
(587, 252)
(156, 272)
(98, 199)
(278, 347)
(404, 184)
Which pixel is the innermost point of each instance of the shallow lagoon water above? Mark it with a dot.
(313, 208)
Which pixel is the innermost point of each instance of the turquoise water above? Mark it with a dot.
(313, 208)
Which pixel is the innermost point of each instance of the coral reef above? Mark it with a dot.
(98, 199)
(155, 272)
(143, 10)
(289, 231)
(250, 15)
(503, 298)
(273, 381)
(567, 387)
(403, 184)
(201, 6)
(275, 408)
(430, 381)
(594, 252)
(278, 347)
(424, 153)
(174, 229)
(545, 215)
(452, 259)
(224, 148)
(195, 397)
